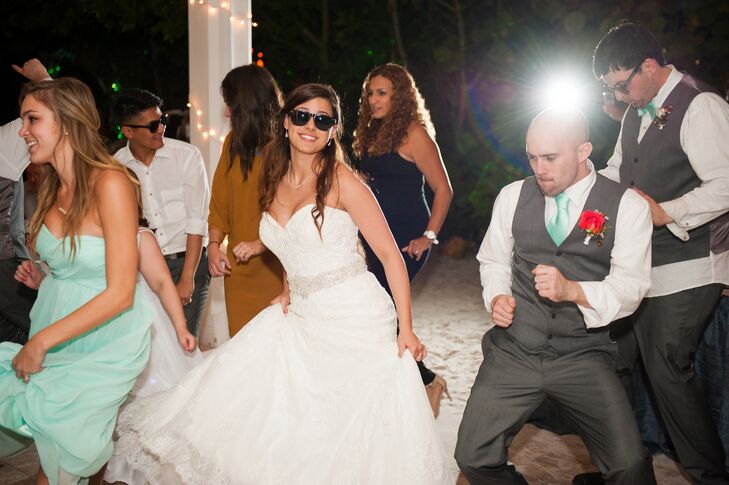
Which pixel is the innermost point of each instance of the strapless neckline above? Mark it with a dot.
(296, 213)
(43, 226)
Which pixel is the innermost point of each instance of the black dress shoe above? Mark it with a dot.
(594, 478)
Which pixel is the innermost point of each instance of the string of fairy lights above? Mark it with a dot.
(219, 7)
(214, 7)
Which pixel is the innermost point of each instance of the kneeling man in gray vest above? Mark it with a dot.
(566, 253)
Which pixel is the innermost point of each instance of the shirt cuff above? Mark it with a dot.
(604, 308)
(490, 293)
(196, 226)
(676, 209)
(679, 232)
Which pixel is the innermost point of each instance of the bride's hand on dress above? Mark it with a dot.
(187, 340)
(29, 274)
(407, 340)
(245, 250)
(30, 359)
(284, 299)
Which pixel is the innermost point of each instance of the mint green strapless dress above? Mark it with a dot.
(69, 409)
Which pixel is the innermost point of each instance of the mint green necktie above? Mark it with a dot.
(559, 224)
(650, 109)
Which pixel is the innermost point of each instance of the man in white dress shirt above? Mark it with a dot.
(552, 288)
(16, 299)
(673, 148)
(175, 194)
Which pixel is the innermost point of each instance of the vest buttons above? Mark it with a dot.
(635, 160)
(554, 315)
(549, 336)
(632, 183)
(558, 253)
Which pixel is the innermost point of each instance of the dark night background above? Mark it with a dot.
(479, 64)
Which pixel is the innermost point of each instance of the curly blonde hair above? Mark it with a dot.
(375, 137)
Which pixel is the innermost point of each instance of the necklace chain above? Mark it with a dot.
(290, 178)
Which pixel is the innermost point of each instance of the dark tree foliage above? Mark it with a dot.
(480, 64)
(130, 43)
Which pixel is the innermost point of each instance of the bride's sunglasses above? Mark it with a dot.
(322, 122)
(152, 126)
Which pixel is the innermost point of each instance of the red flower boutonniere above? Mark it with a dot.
(661, 117)
(594, 225)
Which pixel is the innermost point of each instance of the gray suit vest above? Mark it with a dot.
(540, 323)
(659, 167)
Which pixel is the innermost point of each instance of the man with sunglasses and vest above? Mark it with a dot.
(175, 194)
(566, 253)
(673, 149)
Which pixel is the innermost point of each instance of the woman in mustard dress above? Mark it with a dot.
(252, 100)
(90, 326)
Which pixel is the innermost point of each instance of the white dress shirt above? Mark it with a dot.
(14, 155)
(705, 140)
(175, 192)
(619, 294)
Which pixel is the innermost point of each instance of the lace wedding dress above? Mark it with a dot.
(314, 397)
(168, 363)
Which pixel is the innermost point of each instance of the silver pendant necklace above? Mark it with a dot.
(290, 178)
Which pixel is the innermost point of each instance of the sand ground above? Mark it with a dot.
(450, 319)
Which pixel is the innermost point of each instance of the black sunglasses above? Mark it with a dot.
(152, 126)
(623, 87)
(322, 122)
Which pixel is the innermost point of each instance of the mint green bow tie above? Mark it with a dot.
(650, 109)
(558, 226)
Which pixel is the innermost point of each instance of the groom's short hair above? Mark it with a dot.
(625, 46)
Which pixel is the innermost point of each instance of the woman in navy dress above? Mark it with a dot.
(395, 141)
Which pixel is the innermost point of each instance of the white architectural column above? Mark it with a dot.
(219, 39)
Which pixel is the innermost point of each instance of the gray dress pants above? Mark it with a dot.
(194, 309)
(513, 381)
(665, 332)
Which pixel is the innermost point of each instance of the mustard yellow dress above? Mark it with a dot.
(234, 210)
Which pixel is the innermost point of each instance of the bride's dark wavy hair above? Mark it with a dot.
(277, 154)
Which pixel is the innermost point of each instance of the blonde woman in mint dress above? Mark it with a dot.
(89, 335)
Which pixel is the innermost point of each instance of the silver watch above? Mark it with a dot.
(432, 236)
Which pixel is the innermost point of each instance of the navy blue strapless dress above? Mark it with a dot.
(398, 186)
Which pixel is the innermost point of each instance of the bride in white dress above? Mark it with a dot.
(316, 389)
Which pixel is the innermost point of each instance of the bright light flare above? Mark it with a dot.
(564, 92)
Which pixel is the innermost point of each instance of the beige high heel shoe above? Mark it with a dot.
(435, 391)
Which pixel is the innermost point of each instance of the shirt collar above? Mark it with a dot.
(577, 192)
(126, 156)
(671, 82)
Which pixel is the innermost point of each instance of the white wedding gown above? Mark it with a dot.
(168, 363)
(317, 396)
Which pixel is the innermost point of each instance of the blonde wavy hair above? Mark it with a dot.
(375, 137)
(74, 109)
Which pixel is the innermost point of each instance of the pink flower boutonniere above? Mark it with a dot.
(661, 117)
(594, 225)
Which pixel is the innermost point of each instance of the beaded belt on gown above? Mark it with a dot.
(307, 285)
